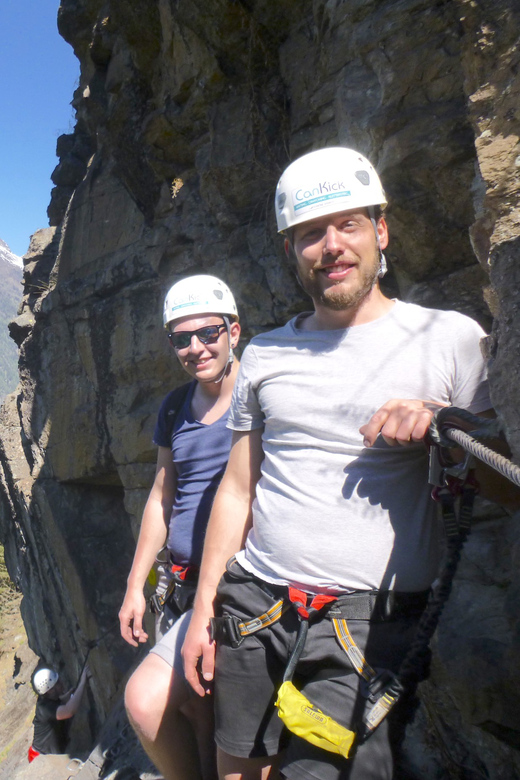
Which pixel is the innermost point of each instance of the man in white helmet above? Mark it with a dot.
(327, 483)
(174, 726)
(54, 709)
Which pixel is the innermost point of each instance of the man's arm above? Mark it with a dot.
(228, 526)
(69, 709)
(152, 535)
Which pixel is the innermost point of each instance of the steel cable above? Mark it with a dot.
(485, 454)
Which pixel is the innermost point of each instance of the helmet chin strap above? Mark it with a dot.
(383, 268)
(231, 355)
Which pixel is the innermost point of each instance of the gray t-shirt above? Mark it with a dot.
(331, 515)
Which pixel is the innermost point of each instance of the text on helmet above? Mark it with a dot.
(322, 192)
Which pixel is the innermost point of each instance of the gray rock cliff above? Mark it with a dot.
(218, 97)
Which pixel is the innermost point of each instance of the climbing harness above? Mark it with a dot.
(454, 488)
(180, 592)
(299, 714)
(383, 687)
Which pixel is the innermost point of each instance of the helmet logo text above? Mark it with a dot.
(321, 193)
(320, 189)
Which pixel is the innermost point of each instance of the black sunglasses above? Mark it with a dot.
(208, 335)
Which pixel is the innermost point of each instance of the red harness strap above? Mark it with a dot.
(183, 571)
(299, 599)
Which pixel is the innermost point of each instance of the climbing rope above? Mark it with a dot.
(93, 643)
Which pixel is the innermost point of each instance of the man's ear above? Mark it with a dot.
(291, 254)
(382, 232)
(234, 330)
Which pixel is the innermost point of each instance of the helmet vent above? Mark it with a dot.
(363, 177)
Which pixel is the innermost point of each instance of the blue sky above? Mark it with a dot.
(38, 74)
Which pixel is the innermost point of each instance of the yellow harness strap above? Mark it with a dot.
(262, 621)
(308, 722)
(355, 656)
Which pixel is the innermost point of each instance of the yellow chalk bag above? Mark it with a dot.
(308, 722)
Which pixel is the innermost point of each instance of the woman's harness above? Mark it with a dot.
(455, 489)
(180, 593)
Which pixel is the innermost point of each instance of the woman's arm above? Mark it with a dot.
(152, 536)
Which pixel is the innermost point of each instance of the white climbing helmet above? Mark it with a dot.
(44, 680)
(200, 294)
(325, 182)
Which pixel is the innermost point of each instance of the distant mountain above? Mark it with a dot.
(10, 296)
(9, 257)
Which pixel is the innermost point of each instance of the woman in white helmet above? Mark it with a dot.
(54, 709)
(201, 317)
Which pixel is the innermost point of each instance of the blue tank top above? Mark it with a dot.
(200, 453)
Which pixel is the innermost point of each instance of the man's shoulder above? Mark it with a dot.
(276, 335)
(265, 348)
(423, 315)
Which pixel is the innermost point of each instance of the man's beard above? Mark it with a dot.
(336, 297)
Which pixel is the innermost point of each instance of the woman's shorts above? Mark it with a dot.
(170, 646)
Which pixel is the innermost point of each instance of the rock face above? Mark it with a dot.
(186, 115)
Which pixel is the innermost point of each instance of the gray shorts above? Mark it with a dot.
(247, 679)
(170, 645)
